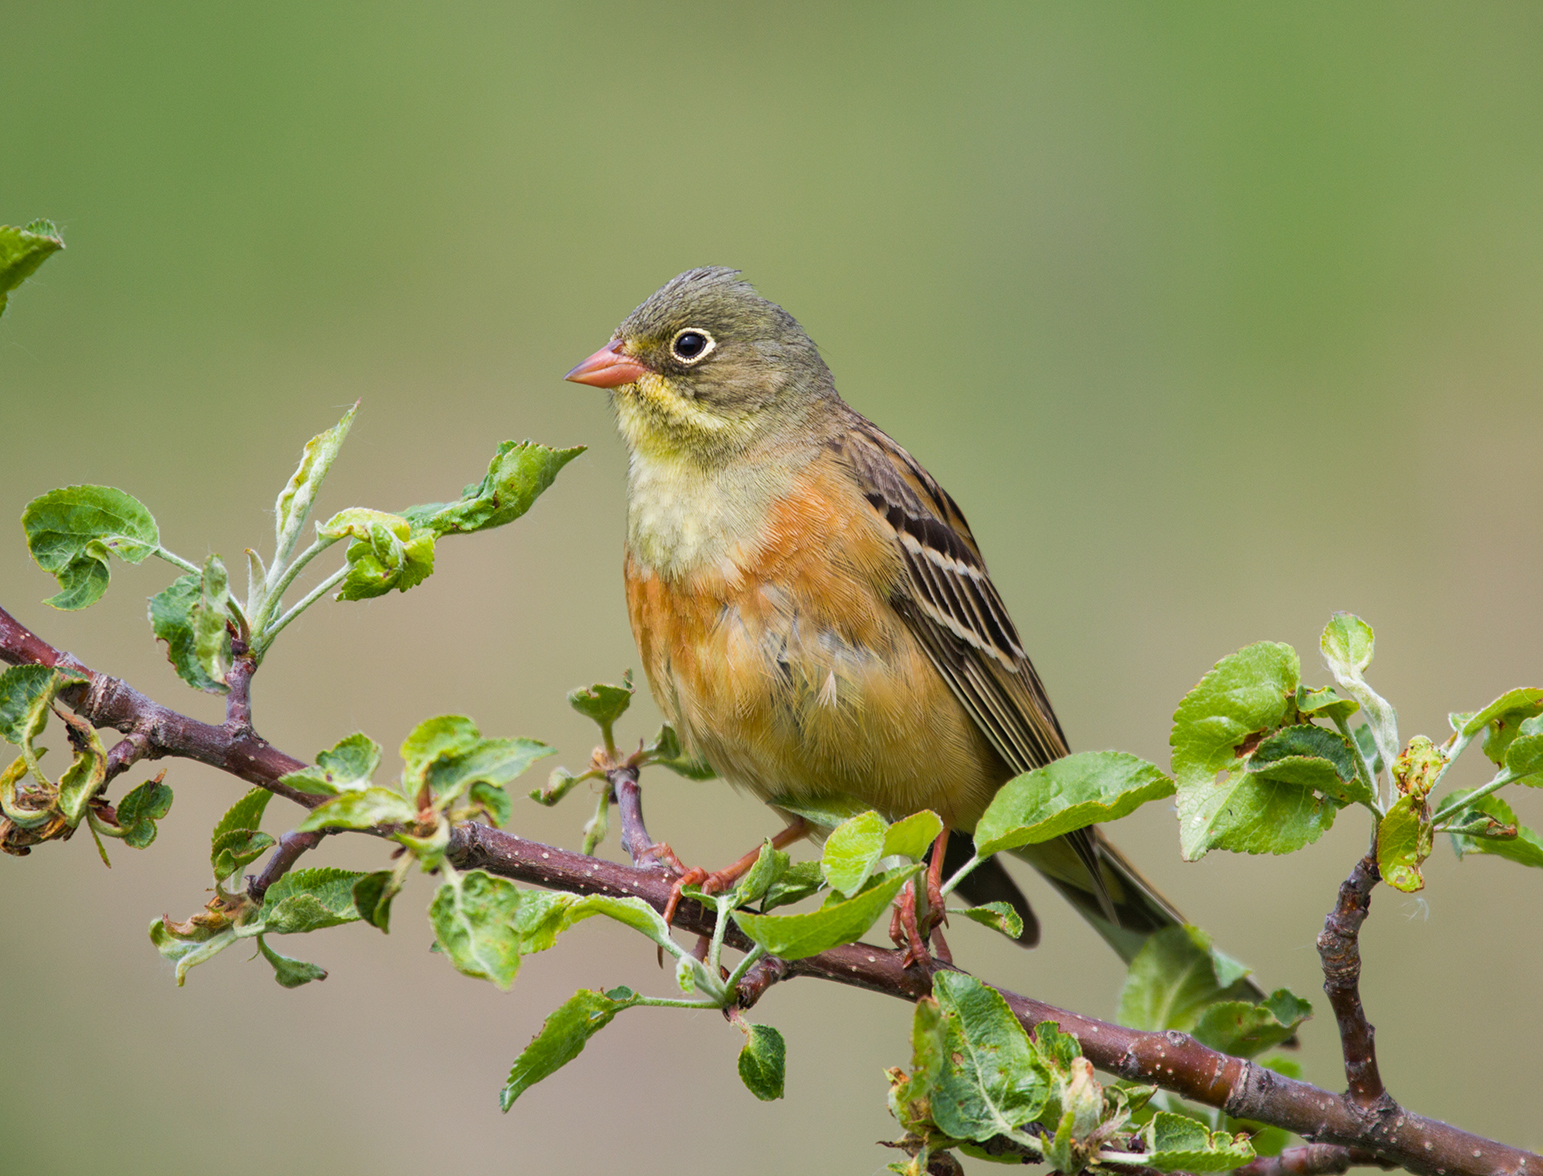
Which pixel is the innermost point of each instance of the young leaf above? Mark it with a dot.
(1325, 704)
(666, 751)
(999, 916)
(770, 865)
(602, 703)
(632, 912)
(346, 767)
(237, 832)
(1526, 848)
(436, 738)
(1503, 718)
(22, 251)
(1347, 644)
(826, 811)
(913, 836)
(308, 900)
(1174, 977)
(1246, 693)
(762, 1061)
(1313, 757)
(1403, 843)
(992, 1081)
(26, 693)
(141, 808)
(238, 849)
(497, 804)
(86, 774)
(562, 1038)
(494, 762)
(518, 474)
(793, 937)
(1177, 1143)
(295, 500)
(794, 884)
(1524, 758)
(290, 973)
(852, 850)
(1243, 1029)
(1065, 795)
(70, 532)
(372, 895)
(473, 918)
(387, 552)
(361, 809)
(186, 951)
(171, 619)
(211, 638)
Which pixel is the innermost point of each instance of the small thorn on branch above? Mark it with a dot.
(1339, 949)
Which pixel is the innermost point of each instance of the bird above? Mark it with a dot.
(813, 614)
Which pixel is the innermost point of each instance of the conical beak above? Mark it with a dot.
(607, 368)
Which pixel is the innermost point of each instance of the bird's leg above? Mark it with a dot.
(718, 879)
(908, 929)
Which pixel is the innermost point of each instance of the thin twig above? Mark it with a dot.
(279, 863)
(1172, 1060)
(628, 795)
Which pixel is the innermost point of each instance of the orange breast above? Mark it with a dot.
(787, 668)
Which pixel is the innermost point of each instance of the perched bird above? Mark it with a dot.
(812, 612)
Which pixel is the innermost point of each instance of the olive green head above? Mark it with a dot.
(706, 367)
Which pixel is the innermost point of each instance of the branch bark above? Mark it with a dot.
(1172, 1060)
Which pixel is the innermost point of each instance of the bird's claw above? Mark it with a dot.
(907, 930)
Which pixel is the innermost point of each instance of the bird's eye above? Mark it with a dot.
(691, 345)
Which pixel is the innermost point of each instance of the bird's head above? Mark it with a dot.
(706, 368)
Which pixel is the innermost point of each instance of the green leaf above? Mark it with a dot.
(1526, 848)
(295, 500)
(633, 912)
(1325, 704)
(388, 552)
(793, 937)
(1175, 975)
(563, 1037)
(70, 532)
(171, 619)
(852, 850)
(602, 703)
(1524, 758)
(440, 737)
(26, 693)
(495, 802)
(1311, 757)
(1403, 843)
(992, 1081)
(666, 751)
(211, 638)
(186, 951)
(372, 895)
(237, 828)
(1243, 1029)
(1177, 1143)
(309, 900)
(1065, 795)
(346, 767)
(1503, 718)
(518, 474)
(825, 812)
(494, 762)
(1245, 694)
(290, 973)
(770, 865)
(1347, 644)
(1245, 813)
(85, 776)
(999, 916)
(794, 884)
(238, 849)
(22, 251)
(473, 918)
(141, 808)
(913, 836)
(1367, 742)
(762, 1061)
(362, 809)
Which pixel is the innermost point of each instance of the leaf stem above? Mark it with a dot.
(1500, 781)
(665, 1002)
(176, 560)
(273, 595)
(1363, 769)
(263, 641)
(752, 957)
(961, 872)
(724, 903)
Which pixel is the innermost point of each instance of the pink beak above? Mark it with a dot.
(607, 368)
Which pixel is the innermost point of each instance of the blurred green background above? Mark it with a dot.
(1215, 318)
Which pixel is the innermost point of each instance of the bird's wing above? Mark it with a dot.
(951, 605)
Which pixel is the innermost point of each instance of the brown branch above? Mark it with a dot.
(1172, 1060)
(1313, 1159)
(279, 863)
(1339, 949)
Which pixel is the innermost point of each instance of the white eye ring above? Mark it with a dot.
(699, 356)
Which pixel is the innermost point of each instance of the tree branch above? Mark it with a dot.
(1339, 949)
(1172, 1060)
